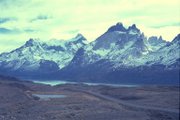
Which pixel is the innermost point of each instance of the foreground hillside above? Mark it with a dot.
(82, 102)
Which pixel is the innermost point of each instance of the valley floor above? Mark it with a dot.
(83, 102)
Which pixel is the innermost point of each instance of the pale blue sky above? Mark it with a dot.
(63, 19)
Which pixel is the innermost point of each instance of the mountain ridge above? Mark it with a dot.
(120, 53)
(35, 51)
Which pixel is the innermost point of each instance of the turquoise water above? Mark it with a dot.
(115, 85)
(48, 96)
(53, 83)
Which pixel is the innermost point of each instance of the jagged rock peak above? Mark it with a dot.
(160, 38)
(80, 36)
(154, 40)
(32, 41)
(118, 27)
(177, 39)
(134, 28)
(119, 24)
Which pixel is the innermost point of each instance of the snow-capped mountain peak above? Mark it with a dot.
(123, 47)
(32, 42)
(80, 36)
(36, 53)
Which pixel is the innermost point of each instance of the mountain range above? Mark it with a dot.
(120, 55)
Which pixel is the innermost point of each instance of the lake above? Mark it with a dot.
(48, 96)
(58, 82)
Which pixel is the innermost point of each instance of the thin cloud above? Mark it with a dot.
(30, 30)
(166, 25)
(8, 31)
(4, 20)
(72, 31)
(4, 4)
(40, 17)
(48, 19)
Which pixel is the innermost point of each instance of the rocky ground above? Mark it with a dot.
(83, 102)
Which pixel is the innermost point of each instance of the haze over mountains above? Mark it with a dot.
(120, 55)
